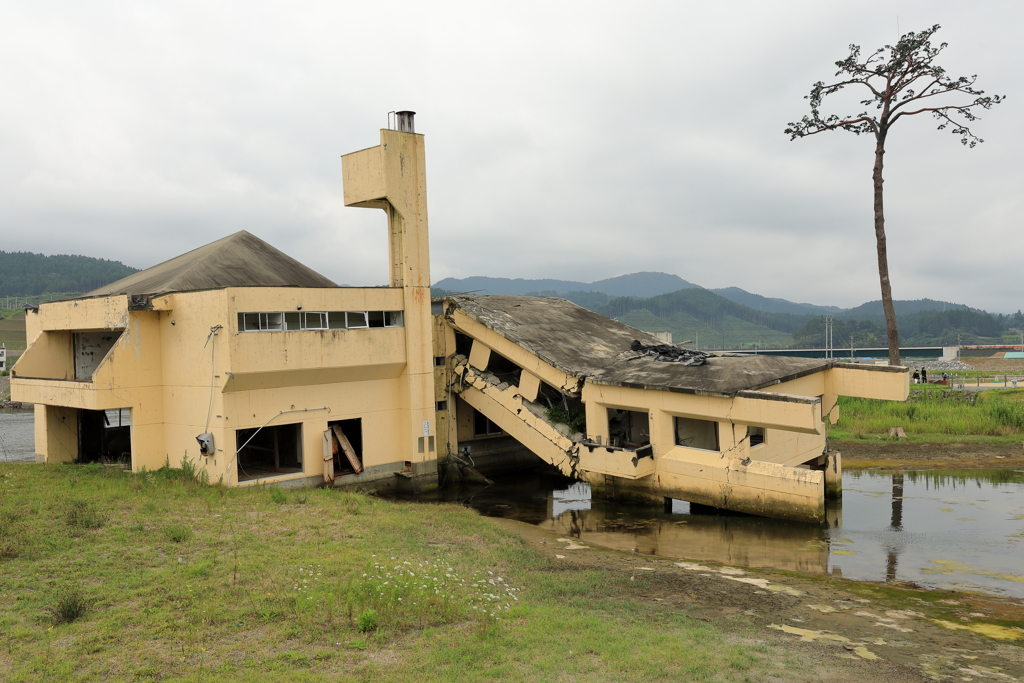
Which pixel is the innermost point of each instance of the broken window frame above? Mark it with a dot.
(625, 422)
(293, 321)
(714, 433)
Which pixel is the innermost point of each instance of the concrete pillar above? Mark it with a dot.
(529, 386)
(833, 475)
(56, 433)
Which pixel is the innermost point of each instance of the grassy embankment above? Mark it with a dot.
(934, 414)
(105, 575)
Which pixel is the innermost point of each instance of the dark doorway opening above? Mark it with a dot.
(353, 432)
(105, 435)
(269, 452)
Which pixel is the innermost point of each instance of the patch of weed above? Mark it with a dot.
(81, 514)
(178, 533)
(69, 604)
(368, 621)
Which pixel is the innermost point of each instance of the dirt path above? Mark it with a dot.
(887, 454)
(849, 631)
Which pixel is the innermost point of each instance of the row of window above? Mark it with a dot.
(317, 320)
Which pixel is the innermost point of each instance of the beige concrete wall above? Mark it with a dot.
(177, 378)
(50, 355)
(56, 433)
(105, 313)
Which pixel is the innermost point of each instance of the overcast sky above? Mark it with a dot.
(564, 140)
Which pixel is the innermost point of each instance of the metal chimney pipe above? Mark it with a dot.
(404, 121)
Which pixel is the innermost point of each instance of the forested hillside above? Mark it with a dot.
(23, 273)
(719, 322)
(704, 305)
(928, 328)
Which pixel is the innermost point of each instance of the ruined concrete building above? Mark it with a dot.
(258, 370)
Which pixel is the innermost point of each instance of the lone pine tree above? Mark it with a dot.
(901, 80)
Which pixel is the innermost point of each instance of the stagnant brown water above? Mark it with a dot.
(961, 529)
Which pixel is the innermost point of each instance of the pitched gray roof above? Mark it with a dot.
(239, 260)
(584, 344)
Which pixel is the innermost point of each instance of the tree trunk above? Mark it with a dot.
(883, 260)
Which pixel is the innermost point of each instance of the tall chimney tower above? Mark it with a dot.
(392, 176)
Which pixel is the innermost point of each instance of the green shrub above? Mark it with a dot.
(367, 621)
(178, 533)
(69, 605)
(278, 496)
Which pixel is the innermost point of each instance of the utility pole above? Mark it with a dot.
(829, 322)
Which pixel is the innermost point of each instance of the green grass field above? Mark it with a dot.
(935, 414)
(12, 330)
(106, 575)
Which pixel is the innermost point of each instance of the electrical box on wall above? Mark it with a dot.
(205, 443)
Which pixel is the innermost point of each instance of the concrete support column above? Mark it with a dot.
(56, 431)
(663, 436)
(479, 355)
(529, 386)
(597, 421)
(833, 475)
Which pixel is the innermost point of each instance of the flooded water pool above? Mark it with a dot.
(957, 529)
(17, 437)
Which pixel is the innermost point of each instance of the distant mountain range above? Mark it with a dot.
(634, 284)
(731, 317)
(648, 284)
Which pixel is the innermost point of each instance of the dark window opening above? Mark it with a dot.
(438, 361)
(352, 431)
(105, 436)
(693, 433)
(269, 452)
(755, 435)
(463, 344)
(562, 409)
(376, 318)
(504, 369)
(482, 426)
(90, 349)
(441, 405)
(628, 428)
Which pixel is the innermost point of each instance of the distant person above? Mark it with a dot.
(917, 377)
(924, 376)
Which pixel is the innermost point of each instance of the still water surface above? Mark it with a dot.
(17, 440)
(959, 529)
(943, 528)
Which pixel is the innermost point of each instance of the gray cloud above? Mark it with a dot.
(569, 140)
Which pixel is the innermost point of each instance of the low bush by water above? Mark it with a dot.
(936, 414)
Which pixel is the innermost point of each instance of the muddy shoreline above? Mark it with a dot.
(894, 455)
(848, 630)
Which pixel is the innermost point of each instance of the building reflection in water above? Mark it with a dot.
(901, 543)
(895, 524)
(704, 533)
